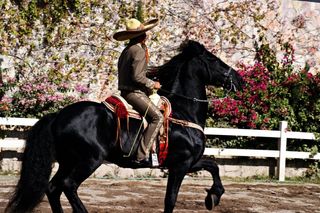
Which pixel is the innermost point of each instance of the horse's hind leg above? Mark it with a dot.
(216, 191)
(71, 183)
(54, 191)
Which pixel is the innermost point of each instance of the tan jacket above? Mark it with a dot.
(132, 67)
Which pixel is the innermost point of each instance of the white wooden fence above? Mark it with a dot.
(282, 135)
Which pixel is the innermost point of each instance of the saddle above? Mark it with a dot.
(126, 114)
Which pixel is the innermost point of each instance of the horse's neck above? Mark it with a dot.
(183, 105)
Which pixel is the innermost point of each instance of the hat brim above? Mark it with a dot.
(129, 34)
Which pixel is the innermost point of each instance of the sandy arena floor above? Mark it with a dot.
(146, 196)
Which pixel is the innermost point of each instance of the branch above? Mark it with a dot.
(21, 59)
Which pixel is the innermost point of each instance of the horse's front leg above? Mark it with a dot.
(175, 179)
(215, 192)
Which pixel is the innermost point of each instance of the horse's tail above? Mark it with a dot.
(36, 167)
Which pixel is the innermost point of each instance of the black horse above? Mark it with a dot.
(83, 135)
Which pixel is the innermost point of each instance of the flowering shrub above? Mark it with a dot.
(274, 91)
(249, 108)
(37, 96)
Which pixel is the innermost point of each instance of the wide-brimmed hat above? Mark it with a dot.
(135, 28)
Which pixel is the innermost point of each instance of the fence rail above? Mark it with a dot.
(282, 135)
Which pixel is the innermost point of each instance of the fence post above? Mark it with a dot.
(282, 144)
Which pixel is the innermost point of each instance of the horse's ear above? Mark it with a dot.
(184, 45)
(191, 48)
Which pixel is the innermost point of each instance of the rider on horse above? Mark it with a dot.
(133, 83)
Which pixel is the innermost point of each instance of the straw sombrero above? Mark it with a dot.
(135, 28)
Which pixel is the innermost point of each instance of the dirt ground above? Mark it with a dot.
(146, 196)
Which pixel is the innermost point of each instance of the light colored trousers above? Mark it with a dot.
(141, 102)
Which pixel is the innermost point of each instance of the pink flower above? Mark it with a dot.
(253, 115)
(266, 120)
(81, 88)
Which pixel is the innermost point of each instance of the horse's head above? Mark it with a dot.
(213, 70)
(185, 76)
(187, 73)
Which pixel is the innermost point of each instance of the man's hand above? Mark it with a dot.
(157, 85)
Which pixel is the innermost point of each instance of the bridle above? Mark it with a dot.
(226, 78)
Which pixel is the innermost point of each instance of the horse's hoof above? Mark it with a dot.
(211, 201)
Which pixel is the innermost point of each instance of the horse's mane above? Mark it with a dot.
(188, 50)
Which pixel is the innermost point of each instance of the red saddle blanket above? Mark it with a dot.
(119, 108)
